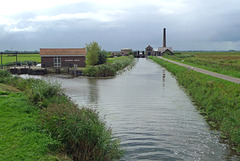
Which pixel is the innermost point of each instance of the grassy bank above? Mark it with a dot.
(21, 135)
(218, 100)
(110, 68)
(66, 129)
(227, 63)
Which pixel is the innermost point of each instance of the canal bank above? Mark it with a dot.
(154, 117)
(217, 99)
(66, 131)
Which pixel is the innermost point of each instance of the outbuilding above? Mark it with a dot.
(125, 51)
(68, 57)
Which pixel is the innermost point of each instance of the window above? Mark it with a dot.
(57, 62)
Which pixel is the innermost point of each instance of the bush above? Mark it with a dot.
(102, 57)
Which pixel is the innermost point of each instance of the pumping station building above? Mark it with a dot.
(68, 57)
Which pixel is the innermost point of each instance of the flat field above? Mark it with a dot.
(7, 59)
(227, 63)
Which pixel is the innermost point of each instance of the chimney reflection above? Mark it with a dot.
(164, 76)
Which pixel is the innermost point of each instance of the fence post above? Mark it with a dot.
(1, 61)
(16, 57)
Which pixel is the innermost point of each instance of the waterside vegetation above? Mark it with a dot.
(110, 68)
(42, 123)
(217, 100)
(22, 138)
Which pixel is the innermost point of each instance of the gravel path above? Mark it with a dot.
(221, 76)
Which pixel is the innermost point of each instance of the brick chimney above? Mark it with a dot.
(164, 37)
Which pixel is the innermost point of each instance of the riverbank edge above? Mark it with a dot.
(19, 128)
(216, 99)
(109, 70)
(81, 132)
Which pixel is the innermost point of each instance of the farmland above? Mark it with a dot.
(8, 59)
(227, 63)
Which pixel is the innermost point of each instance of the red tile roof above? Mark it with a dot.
(59, 52)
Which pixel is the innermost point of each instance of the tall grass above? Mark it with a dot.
(218, 100)
(108, 69)
(82, 134)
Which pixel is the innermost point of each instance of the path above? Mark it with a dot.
(221, 76)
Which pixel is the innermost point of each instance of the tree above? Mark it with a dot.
(102, 57)
(93, 50)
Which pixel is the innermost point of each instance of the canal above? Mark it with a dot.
(151, 114)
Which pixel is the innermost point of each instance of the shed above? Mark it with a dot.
(68, 57)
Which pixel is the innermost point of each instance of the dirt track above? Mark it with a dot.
(221, 76)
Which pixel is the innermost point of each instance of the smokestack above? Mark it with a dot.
(164, 37)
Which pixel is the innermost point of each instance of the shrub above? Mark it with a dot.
(102, 57)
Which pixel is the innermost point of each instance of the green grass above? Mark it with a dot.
(20, 58)
(227, 63)
(217, 99)
(112, 60)
(21, 137)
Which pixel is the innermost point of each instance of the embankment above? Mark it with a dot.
(218, 100)
(43, 111)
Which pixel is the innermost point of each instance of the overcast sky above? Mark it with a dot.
(116, 24)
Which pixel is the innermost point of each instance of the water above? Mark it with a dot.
(153, 117)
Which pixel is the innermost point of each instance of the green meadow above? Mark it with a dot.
(227, 63)
(9, 59)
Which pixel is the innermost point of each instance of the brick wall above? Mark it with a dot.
(47, 62)
(65, 61)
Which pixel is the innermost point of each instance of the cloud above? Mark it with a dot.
(102, 16)
(15, 29)
(8, 21)
(12, 7)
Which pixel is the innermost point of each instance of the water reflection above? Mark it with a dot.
(164, 75)
(93, 93)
